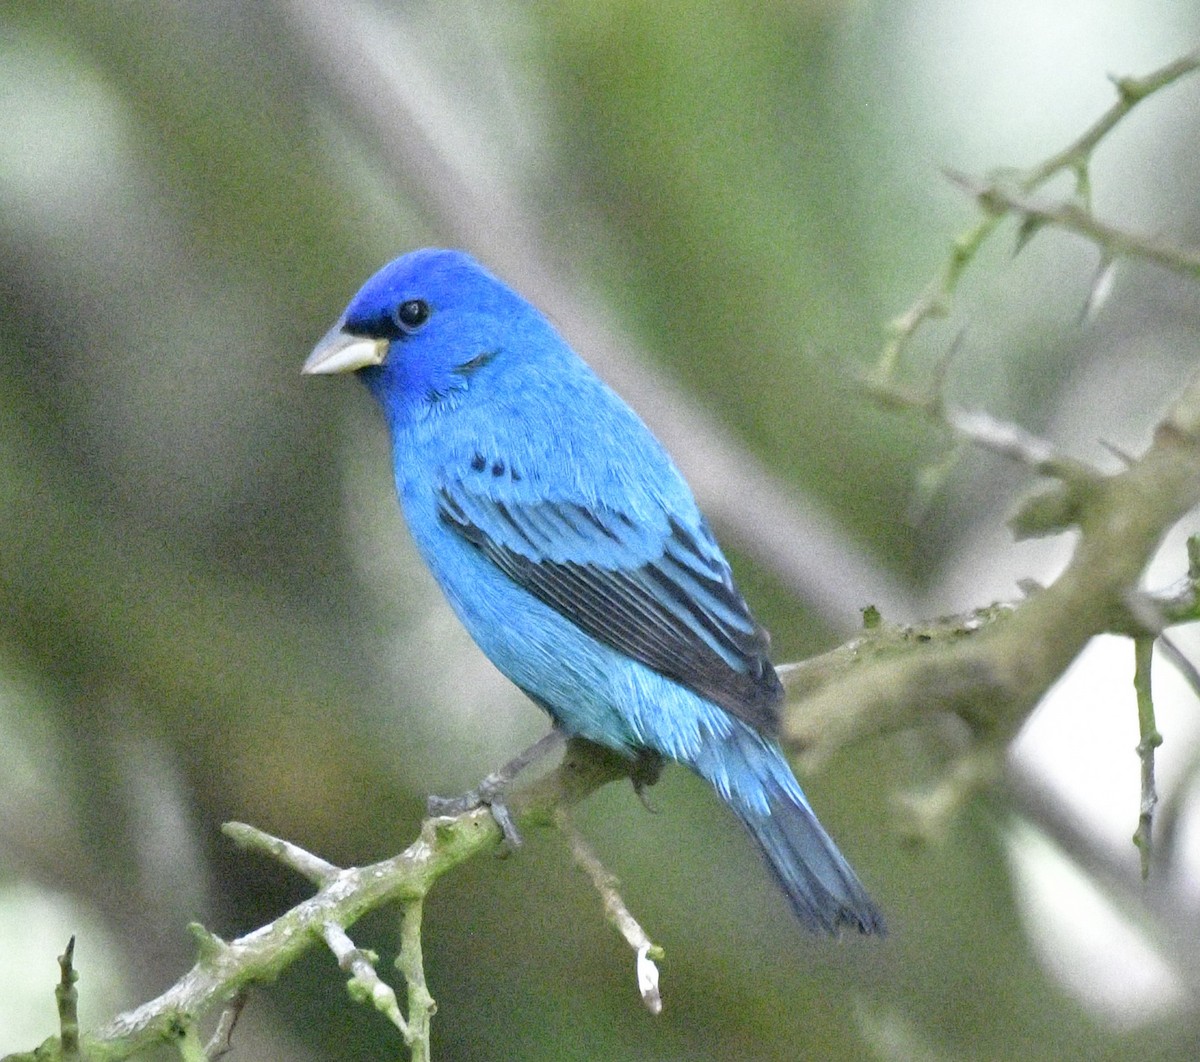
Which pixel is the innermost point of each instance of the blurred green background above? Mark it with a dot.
(209, 608)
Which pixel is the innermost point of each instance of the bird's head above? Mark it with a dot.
(422, 328)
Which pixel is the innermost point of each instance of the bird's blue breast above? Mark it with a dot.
(542, 446)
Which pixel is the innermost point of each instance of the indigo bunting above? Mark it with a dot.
(573, 551)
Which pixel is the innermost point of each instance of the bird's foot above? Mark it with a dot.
(488, 794)
(647, 769)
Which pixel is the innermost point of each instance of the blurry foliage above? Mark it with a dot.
(207, 607)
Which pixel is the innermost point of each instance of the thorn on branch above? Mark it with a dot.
(1101, 289)
(1026, 231)
(67, 997)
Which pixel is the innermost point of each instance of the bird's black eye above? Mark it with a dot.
(413, 313)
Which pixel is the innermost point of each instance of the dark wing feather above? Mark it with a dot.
(678, 613)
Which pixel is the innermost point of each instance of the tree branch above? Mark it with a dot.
(1148, 742)
(225, 970)
(998, 197)
(937, 300)
(617, 912)
(991, 668)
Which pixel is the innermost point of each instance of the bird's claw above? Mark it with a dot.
(645, 772)
(640, 790)
(488, 794)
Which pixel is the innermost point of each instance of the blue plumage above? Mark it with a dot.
(573, 552)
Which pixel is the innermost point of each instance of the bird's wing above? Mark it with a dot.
(665, 599)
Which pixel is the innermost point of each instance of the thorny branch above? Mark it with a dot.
(1081, 497)
(937, 299)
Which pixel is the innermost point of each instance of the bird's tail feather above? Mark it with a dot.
(764, 794)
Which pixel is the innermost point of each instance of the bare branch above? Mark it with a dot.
(617, 912)
(410, 962)
(66, 995)
(1130, 92)
(221, 1042)
(365, 984)
(312, 867)
(998, 197)
(993, 673)
(1148, 743)
(937, 300)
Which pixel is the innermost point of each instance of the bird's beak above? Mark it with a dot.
(342, 351)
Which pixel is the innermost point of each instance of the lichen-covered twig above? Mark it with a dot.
(226, 970)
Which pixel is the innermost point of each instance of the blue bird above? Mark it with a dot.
(573, 552)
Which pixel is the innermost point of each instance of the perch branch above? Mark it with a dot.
(227, 969)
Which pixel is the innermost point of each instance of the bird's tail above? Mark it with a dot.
(753, 777)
